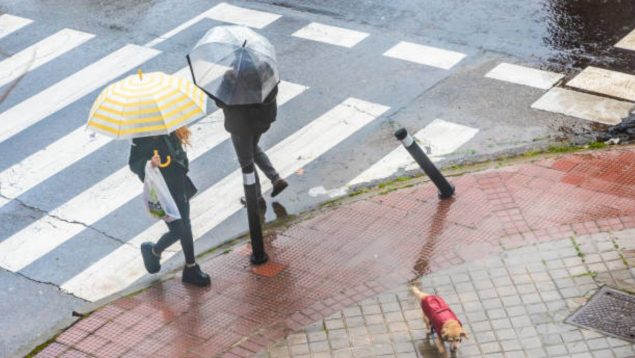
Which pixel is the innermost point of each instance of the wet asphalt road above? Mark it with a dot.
(562, 36)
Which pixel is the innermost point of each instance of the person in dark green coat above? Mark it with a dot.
(181, 188)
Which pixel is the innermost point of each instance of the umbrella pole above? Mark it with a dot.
(258, 255)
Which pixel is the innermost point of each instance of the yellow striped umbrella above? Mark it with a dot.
(145, 105)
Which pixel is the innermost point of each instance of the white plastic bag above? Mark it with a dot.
(156, 196)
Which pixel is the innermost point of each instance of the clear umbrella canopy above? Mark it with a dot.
(235, 65)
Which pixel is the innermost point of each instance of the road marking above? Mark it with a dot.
(242, 16)
(54, 158)
(72, 88)
(123, 266)
(441, 137)
(40, 53)
(628, 42)
(330, 34)
(525, 76)
(425, 55)
(96, 202)
(222, 12)
(611, 83)
(48, 161)
(10, 24)
(583, 105)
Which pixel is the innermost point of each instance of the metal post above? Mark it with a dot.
(258, 255)
(446, 189)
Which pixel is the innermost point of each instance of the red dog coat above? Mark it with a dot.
(437, 311)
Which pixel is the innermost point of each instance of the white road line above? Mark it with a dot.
(242, 16)
(425, 55)
(10, 24)
(43, 164)
(48, 161)
(582, 105)
(525, 76)
(330, 34)
(222, 12)
(72, 88)
(441, 137)
(96, 202)
(628, 42)
(612, 83)
(40, 53)
(123, 266)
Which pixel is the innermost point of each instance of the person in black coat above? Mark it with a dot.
(246, 124)
(181, 188)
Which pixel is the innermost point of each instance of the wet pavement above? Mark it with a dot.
(512, 304)
(563, 36)
(372, 245)
(560, 35)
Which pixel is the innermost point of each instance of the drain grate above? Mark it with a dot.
(609, 311)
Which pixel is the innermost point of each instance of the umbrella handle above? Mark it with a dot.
(167, 162)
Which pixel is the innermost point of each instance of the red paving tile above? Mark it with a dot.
(356, 250)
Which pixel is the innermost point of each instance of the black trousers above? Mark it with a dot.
(249, 152)
(177, 181)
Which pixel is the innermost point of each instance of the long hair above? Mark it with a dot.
(184, 134)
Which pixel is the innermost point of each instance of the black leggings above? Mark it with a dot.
(179, 229)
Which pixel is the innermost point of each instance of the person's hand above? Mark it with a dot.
(155, 161)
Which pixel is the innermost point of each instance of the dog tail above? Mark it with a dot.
(418, 292)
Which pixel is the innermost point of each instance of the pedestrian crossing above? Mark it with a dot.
(607, 98)
(438, 138)
(72, 88)
(36, 238)
(10, 23)
(628, 42)
(40, 53)
(330, 35)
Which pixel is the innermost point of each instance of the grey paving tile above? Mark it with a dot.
(491, 347)
(557, 350)
(495, 314)
(604, 353)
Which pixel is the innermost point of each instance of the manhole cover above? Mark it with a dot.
(609, 311)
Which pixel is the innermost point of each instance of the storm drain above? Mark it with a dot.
(609, 311)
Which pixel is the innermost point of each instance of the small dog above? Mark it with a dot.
(440, 319)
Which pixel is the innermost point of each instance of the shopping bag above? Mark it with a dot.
(156, 196)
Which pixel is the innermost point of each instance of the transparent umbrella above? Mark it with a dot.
(234, 65)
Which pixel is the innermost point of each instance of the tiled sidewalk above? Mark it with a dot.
(513, 305)
(354, 251)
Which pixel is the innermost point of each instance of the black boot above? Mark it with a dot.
(278, 186)
(151, 261)
(193, 275)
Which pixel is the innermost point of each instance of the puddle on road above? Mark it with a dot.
(583, 33)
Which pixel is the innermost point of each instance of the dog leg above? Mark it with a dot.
(428, 326)
(440, 345)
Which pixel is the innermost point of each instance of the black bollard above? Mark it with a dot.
(446, 189)
(258, 254)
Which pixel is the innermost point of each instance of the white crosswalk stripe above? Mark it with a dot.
(425, 55)
(242, 16)
(44, 235)
(526, 76)
(583, 105)
(40, 53)
(330, 34)
(10, 23)
(628, 42)
(225, 13)
(605, 82)
(296, 151)
(439, 137)
(72, 88)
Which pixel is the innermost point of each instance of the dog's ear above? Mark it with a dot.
(464, 335)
